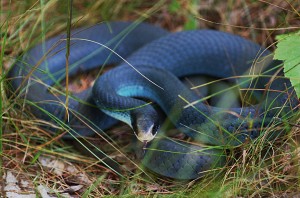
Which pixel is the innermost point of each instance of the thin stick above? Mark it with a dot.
(68, 55)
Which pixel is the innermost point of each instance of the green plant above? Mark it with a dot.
(288, 50)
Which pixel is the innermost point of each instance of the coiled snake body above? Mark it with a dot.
(155, 59)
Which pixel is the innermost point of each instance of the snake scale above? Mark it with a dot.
(150, 62)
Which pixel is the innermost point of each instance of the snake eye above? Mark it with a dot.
(155, 128)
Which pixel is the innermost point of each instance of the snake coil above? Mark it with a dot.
(155, 59)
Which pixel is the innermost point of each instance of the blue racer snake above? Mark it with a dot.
(150, 62)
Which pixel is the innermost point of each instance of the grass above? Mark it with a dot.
(256, 169)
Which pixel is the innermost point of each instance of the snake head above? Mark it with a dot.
(145, 126)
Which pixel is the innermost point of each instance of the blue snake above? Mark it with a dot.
(150, 62)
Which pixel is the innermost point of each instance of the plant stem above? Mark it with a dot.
(70, 2)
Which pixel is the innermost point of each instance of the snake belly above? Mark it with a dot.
(172, 55)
